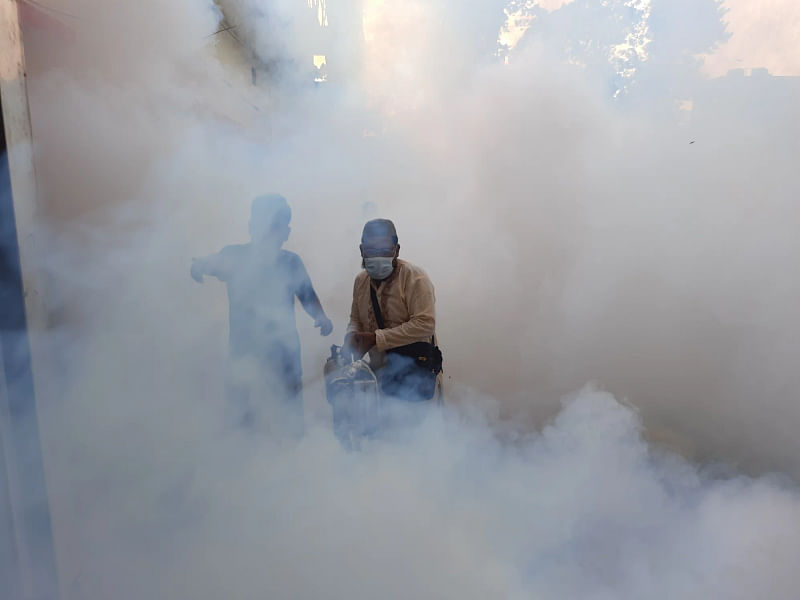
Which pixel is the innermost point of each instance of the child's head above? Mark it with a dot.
(269, 220)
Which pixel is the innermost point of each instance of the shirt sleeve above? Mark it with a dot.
(422, 317)
(219, 265)
(355, 323)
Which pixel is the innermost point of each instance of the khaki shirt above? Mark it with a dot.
(406, 299)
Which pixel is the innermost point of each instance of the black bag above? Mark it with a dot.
(411, 370)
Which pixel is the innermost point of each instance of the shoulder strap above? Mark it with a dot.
(376, 307)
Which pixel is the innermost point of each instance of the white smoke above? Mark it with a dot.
(584, 509)
(570, 239)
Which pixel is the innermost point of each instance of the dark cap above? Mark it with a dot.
(379, 228)
(270, 208)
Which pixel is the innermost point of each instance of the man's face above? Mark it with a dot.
(379, 246)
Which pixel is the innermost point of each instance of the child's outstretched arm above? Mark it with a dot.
(214, 265)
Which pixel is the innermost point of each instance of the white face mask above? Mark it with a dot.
(379, 267)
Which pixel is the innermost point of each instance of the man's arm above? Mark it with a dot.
(355, 323)
(422, 322)
(309, 299)
(214, 265)
(357, 340)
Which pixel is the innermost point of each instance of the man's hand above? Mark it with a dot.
(360, 341)
(197, 270)
(325, 326)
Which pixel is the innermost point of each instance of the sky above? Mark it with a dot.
(763, 34)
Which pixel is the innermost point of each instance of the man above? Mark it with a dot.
(393, 317)
(263, 281)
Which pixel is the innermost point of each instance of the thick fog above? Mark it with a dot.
(613, 240)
